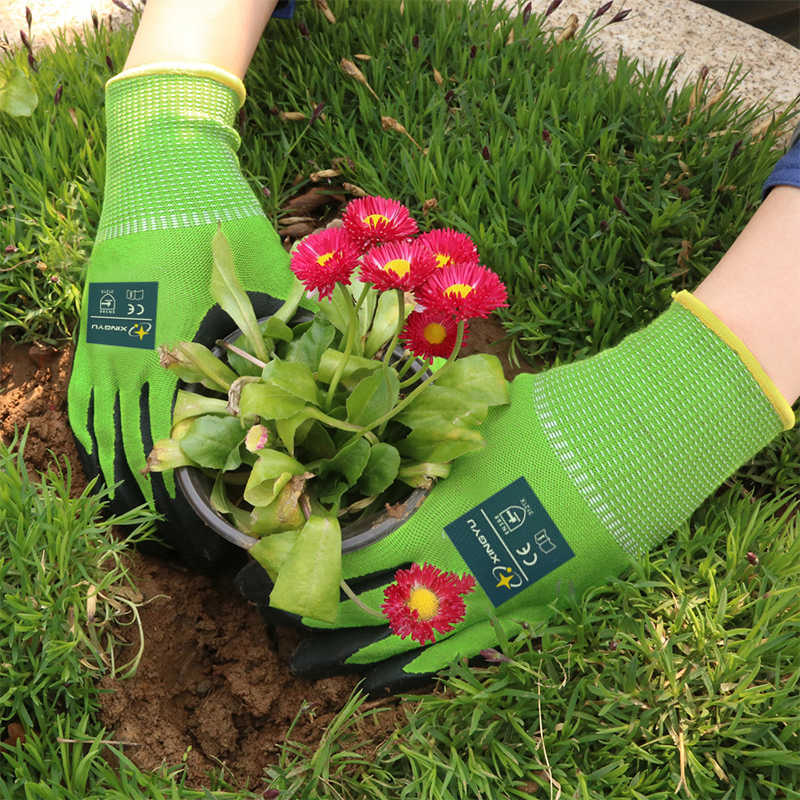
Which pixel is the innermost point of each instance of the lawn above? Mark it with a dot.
(594, 197)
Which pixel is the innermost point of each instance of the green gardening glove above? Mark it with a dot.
(590, 466)
(172, 175)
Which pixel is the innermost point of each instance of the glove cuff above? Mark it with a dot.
(186, 68)
(650, 428)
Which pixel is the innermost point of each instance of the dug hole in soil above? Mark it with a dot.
(213, 689)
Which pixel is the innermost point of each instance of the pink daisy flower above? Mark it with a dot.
(377, 220)
(398, 265)
(431, 333)
(450, 247)
(425, 599)
(464, 290)
(324, 259)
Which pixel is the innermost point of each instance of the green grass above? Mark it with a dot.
(679, 680)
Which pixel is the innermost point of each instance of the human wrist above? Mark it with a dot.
(225, 34)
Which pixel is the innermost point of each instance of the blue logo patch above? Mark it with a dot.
(509, 541)
(122, 314)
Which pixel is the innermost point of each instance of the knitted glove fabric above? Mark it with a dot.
(618, 449)
(172, 175)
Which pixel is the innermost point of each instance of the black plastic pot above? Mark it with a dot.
(196, 487)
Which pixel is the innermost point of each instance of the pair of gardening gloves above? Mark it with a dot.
(588, 467)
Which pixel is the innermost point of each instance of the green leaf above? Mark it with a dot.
(228, 292)
(274, 328)
(373, 397)
(293, 378)
(422, 475)
(294, 296)
(194, 363)
(308, 581)
(366, 311)
(190, 404)
(442, 406)
(271, 551)
(332, 358)
(337, 308)
(318, 442)
(219, 497)
(267, 401)
(243, 366)
(213, 442)
(381, 469)
(349, 462)
(341, 473)
(440, 445)
(271, 472)
(309, 347)
(479, 376)
(18, 98)
(287, 428)
(283, 513)
(384, 323)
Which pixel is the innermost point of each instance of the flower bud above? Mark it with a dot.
(552, 7)
(602, 10)
(494, 656)
(257, 438)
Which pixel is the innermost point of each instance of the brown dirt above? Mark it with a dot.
(33, 393)
(213, 690)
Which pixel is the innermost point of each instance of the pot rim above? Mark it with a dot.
(355, 536)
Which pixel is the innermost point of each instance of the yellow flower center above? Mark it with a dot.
(373, 219)
(434, 332)
(459, 289)
(424, 602)
(442, 260)
(324, 258)
(398, 265)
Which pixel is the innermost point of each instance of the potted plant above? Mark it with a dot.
(299, 426)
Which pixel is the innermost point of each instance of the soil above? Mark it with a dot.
(213, 689)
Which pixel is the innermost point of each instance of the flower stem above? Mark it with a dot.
(340, 423)
(409, 360)
(421, 388)
(415, 377)
(239, 352)
(351, 335)
(401, 318)
(360, 603)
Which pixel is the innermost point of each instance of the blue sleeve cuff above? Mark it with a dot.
(787, 170)
(284, 9)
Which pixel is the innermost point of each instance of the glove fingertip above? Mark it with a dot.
(390, 677)
(327, 653)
